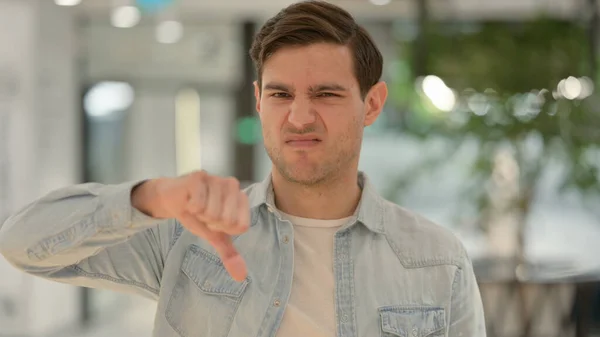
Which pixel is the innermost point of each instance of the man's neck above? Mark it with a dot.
(331, 200)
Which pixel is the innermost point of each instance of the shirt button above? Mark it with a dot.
(344, 318)
(415, 332)
(286, 239)
(276, 303)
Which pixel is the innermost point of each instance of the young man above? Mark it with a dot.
(310, 251)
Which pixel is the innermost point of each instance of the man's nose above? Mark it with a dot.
(301, 113)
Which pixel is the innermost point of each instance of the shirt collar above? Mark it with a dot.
(370, 210)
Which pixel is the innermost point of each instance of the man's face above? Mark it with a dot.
(311, 111)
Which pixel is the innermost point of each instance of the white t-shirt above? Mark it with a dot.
(311, 308)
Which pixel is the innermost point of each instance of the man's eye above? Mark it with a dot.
(327, 94)
(280, 95)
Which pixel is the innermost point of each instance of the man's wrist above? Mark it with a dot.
(144, 198)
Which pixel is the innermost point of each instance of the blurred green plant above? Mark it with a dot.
(522, 87)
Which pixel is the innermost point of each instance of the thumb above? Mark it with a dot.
(232, 260)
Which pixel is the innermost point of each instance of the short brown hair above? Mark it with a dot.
(309, 22)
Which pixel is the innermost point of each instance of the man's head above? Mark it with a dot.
(318, 87)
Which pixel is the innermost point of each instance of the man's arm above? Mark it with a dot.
(466, 309)
(89, 235)
(112, 236)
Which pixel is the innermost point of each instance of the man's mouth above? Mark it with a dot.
(303, 141)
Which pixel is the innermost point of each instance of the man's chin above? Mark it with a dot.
(308, 176)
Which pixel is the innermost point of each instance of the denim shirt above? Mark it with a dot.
(396, 273)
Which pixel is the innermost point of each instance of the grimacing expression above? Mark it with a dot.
(312, 112)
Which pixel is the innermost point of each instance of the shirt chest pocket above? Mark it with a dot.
(412, 321)
(205, 298)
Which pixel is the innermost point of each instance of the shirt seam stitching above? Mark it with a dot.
(431, 262)
(176, 235)
(143, 286)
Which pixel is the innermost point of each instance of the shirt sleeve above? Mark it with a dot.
(466, 309)
(90, 235)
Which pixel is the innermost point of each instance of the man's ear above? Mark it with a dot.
(257, 95)
(374, 102)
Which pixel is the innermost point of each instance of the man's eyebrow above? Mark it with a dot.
(328, 87)
(277, 86)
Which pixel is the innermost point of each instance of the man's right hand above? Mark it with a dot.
(211, 207)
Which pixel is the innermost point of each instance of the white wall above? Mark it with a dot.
(207, 54)
(18, 139)
(42, 143)
(151, 134)
(157, 72)
(216, 127)
(467, 9)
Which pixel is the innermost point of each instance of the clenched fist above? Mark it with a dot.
(211, 207)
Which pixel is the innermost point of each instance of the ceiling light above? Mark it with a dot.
(67, 2)
(380, 2)
(125, 16)
(107, 98)
(169, 31)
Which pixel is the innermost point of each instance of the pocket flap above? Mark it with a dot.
(209, 274)
(412, 321)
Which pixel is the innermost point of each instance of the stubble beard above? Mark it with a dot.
(321, 172)
(317, 173)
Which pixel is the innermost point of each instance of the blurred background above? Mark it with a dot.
(492, 129)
